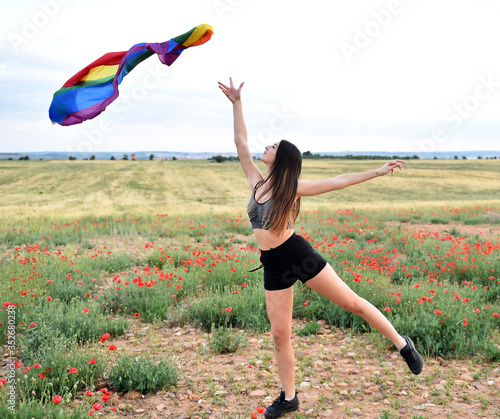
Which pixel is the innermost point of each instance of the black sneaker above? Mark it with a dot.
(280, 406)
(411, 356)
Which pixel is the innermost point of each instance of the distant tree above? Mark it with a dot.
(456, 157)
(174, 158)
(415, 157)
(112, 158)
(24, 158)
(85, 158)
(479, 157)
(72, 158)
(218, 159)
(464, 157)
(10, 158)
(125, 157)
(151, 156)
(435, 158)
(92, 157)
(306, 154)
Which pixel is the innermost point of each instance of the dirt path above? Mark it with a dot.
(486, 231)
(338, 376)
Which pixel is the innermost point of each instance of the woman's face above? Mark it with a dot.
(269, 154)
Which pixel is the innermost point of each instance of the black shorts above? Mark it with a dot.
(293, 260)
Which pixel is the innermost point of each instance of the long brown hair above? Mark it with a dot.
(282, 180)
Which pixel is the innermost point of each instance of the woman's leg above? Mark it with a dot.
(330, 285)
(279, 309)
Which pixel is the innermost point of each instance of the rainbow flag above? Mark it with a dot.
(91, 90)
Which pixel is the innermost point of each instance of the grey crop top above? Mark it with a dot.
(259, 214)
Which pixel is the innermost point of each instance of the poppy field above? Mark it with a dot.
(169, 244)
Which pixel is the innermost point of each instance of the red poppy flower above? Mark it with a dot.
(73, 370)
(97, 406)
(437, 312)
(57, 399)
(495, 314)
(112, 348)
(261, 410)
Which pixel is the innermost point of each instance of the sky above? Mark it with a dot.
(338, 75)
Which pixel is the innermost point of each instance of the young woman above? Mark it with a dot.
(288, 257)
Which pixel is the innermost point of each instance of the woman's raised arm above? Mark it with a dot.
(317, 187)
(252, 172)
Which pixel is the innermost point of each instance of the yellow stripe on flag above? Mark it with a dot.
(101, 72)
(197, 34)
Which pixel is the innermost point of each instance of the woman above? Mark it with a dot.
(288, 257)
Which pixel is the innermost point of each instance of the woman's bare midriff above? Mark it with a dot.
(268, 240)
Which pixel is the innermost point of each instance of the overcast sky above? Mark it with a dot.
(327, 75)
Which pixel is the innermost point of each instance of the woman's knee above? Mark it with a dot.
(281, 337)
(356, 305)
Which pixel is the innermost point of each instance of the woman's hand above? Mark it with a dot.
(390, 166)
(231, 92)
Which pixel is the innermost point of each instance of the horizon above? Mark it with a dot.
(182, 155)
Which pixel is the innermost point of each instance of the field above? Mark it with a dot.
(132, 277)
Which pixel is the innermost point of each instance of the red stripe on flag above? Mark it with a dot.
(111, 58)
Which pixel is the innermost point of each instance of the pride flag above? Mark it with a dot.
(91, 90)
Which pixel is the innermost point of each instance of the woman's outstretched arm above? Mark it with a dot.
(317, 187)
(252, 172)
